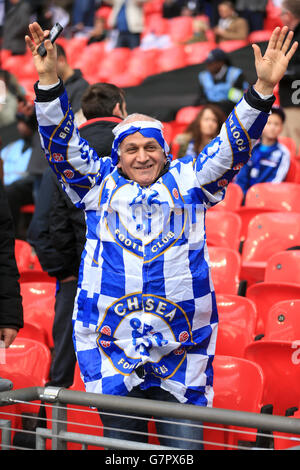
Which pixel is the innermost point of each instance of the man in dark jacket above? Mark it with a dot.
(289, 86)
(57, 230)
(11, 310)
(15, 26)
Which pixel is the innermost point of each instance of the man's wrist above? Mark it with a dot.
(263, 88)
(48, 79)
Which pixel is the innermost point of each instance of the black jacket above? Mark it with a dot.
(11, 310)
(289, 90)
(75, 87)
(57, 229)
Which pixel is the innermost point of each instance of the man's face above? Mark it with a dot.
(225, 11)
(141, 158)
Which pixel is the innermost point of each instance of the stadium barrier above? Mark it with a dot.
(60, 398)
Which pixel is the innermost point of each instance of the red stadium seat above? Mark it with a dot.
(38, 305)
(237, 323)
(283, 266)
(279, 197)
(238, 385)
(114, 63)
(187, 114)
(225, 269)
(197, 52)
(33, 331)
(223, 229)
(267, 234)
(142, 63)
(232, 200)
(266, 294)
(27, 363)
(181, 28)
(279, 361)
(23, 255)
(289, 143)
(233, 45)
(171, 58)
(259, 36)
(282, 322)
(268, 197)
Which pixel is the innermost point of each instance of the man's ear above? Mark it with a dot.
(117, 111)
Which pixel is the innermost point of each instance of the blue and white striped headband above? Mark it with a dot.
(148, 129)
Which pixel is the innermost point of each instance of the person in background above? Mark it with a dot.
(205, 127)
(15, 26)
(230, 25)
(289, 86)
(127, 17)
(220, 83)
(253, 11)
(11, 309)
(270, 159)
(16, 155)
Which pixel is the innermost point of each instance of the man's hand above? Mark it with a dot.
(8, 335)
(271, 67)
(45, 66)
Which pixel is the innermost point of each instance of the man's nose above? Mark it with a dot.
(142, 155)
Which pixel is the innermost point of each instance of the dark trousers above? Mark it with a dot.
(127, 39)
(64, 359)
(171, 432)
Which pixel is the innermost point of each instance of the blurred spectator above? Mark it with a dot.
(127, 17)
(289, 86)
(15, 27)
(10, 94)
(199, 31)
(230, 25)
(221, 82)
(172, 8)
(98, 33)
(11, 310)
(16, 155)
(83, 16)
(253, 11)
(205, 127)
(270, 160)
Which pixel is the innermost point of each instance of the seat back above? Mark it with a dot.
(283, 266)
(23, 254)
(38, 305)
(283, 321)
(238, 385)
(269, 233)
(279, 197)
(237, 323)
(279, 361)
(266, 294)
(223, 229)
(27, 363)
(232, 200)
(225, 266)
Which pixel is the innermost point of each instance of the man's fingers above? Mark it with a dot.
(257, 52)
(274, 37)
(292, 50)
(36, 33)
(287, 42)
(281, 37)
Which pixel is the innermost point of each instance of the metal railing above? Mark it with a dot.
(59, 398)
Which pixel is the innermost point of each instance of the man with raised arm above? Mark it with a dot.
(145, 315)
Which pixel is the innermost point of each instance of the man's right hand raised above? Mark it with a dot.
(45, 66)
